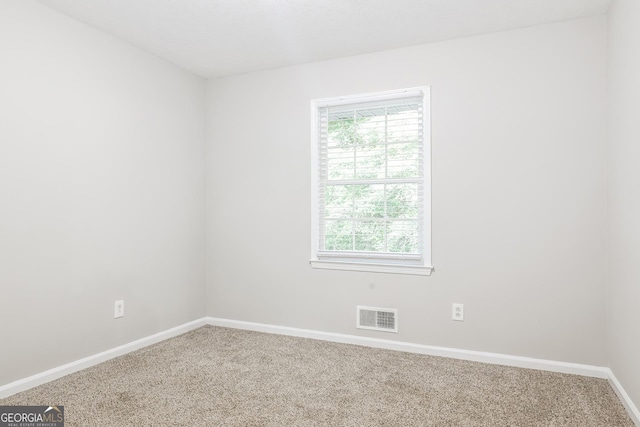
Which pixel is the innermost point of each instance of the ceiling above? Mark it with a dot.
(215, 38)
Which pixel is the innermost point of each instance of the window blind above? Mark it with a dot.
(371, 179)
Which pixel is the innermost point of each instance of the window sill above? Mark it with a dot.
(372, 268)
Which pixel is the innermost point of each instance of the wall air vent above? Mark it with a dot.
(377, 319)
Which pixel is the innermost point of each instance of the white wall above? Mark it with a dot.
(624, 195)
(101, 191)
(518, 195)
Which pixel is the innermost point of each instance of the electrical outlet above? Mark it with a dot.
(457, 312)
(119, 310)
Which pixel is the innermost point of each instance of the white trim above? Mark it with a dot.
(315, 180)
(428, 177)
(628, 404)
(476, 356)
(370, 97)
(373, 264)
(78, 365)
(454, 353)
(373, 268)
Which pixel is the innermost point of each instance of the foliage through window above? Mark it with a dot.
(371, 181)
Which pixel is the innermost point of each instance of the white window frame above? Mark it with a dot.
(422, 266)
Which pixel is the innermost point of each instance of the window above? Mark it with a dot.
(371, 202)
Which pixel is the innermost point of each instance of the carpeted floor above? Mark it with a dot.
(224, 377)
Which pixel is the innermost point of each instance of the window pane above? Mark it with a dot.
(402, 200)
(371, 126)
(341, 130)
(338, 235)
(342, 138)
(369, 236)
(340, 163)
(338, 201)
(370, 161)
(370, 153)
(403, 160)
(402, 236)
(368, 201)
(403, 126)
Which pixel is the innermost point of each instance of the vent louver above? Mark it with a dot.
(377, 319)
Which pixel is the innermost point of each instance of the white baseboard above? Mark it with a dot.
(476, 356)
(52, 374)
(631, 408)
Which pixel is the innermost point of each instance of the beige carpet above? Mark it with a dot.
(223, 377)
